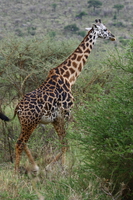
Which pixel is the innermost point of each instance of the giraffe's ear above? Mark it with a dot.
(88, 29)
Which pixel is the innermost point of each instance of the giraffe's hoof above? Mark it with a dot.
(35, 170)
(32, 170)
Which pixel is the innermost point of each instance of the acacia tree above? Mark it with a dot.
(95, 4)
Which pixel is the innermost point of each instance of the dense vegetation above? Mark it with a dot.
(106, 136)
(99, 162)
(100, 158)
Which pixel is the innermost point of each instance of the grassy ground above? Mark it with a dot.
(57, 183)
(60, 183)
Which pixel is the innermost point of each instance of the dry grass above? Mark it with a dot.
(49, 184)
(13, 186)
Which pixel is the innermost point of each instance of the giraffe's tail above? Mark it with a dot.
(5, 118)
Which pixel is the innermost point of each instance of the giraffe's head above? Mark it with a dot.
(101, 30)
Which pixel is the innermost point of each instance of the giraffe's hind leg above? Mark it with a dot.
(60, 129)
(59, 125)
(21, 145)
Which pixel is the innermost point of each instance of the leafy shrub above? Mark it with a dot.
(81, 14)
(106, 135)
(54, 5)
(95, 4)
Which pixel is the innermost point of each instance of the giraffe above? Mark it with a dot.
(53, 100)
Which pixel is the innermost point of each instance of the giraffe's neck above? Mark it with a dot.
(73, 65)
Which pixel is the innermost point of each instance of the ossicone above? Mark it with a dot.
(98, 20)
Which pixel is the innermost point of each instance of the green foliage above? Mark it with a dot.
(95, 4)
(106, 136)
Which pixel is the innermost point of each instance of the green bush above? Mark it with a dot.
(81, 14)
(71, 28)
(95, 4)
(107, 134)
(25, 63)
